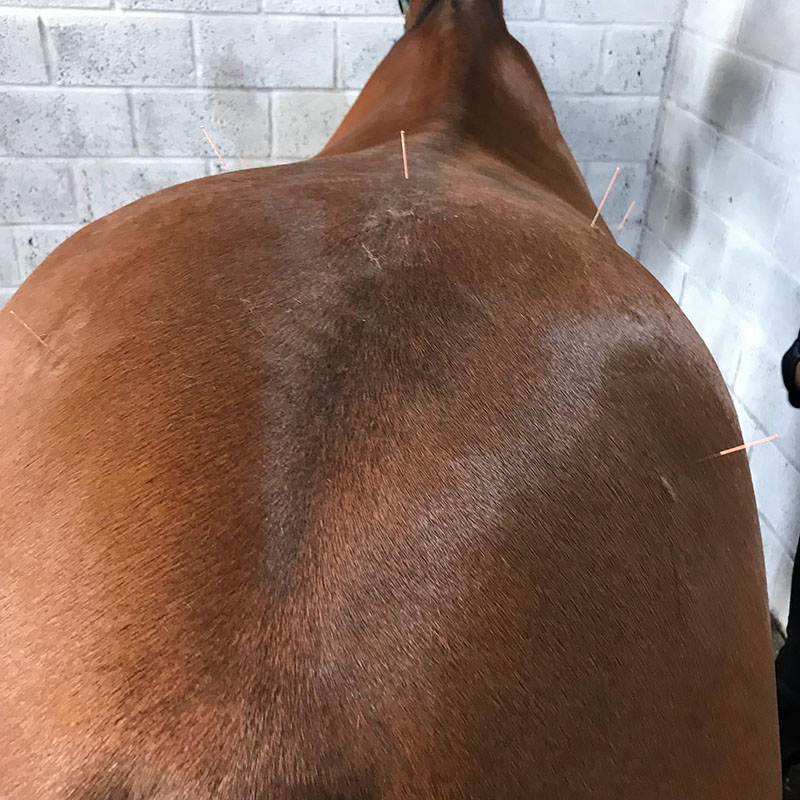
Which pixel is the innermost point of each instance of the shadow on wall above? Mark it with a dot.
(724, 98)
(730, 101)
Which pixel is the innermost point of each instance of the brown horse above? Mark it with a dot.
(323, 484)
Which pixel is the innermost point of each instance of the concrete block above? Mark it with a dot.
(686, 148)
(630, 186)
(735, 91)
(266, 52)
(711, 315)
(613, 10)
(192, 5)
(141, 51)
(787, 238)
(747, 190)
(658, 203)
(629, 238)
(9, 264)
(760, 387)
(634, 60)
(105, 186)
(690, 72)
(696, 234)
(751, 431)
(35, 191)
(58, 122)
(6, 295)
(522, 9)
(659, 260)
(726, 89)
(777, 486)
(304, 121)
(762, 291)
(363, 44)
(771, 29)
(606, 128)
(59, 3)
(168, 122)
(718, 19)
(568, 57)
(34, 243)
(334, 7)
(21, 55)
(779, 123)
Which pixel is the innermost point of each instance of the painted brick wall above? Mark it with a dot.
(101, 101)
(723, 228)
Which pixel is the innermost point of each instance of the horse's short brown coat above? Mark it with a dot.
(338, 485)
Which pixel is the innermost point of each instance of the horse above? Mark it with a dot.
(321, 483)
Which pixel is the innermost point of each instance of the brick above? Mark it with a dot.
(351, 96)
(777, 486)
(723, 87)
(105, 186)
(629, 238)
(21, 55)
(102, 51)
(711, 315)
(735, 89)
(34, 243)
(778, 566)
(58, 122)
(747, 190)
(658, 202)
(686, 148)
(630, 186)
(696, 235)
(59, 3)
(608, 129)
(9, 265)
(693, 62)
(718, 19)
(522, 9)
(634, 59)
(378, 7)
(6, 295)
(787, 237)
(613, 10)
(762, 291)
(567, 57)
(751, 431)
(363, 44)
(168, 123)
(771, 29)
(192, 5)
(35, 191)
(304, 121)
(779, 122)
(658, 259)
(760, 387)
(268, 52)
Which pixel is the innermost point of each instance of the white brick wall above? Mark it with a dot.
(101, 101)
(723, 228)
